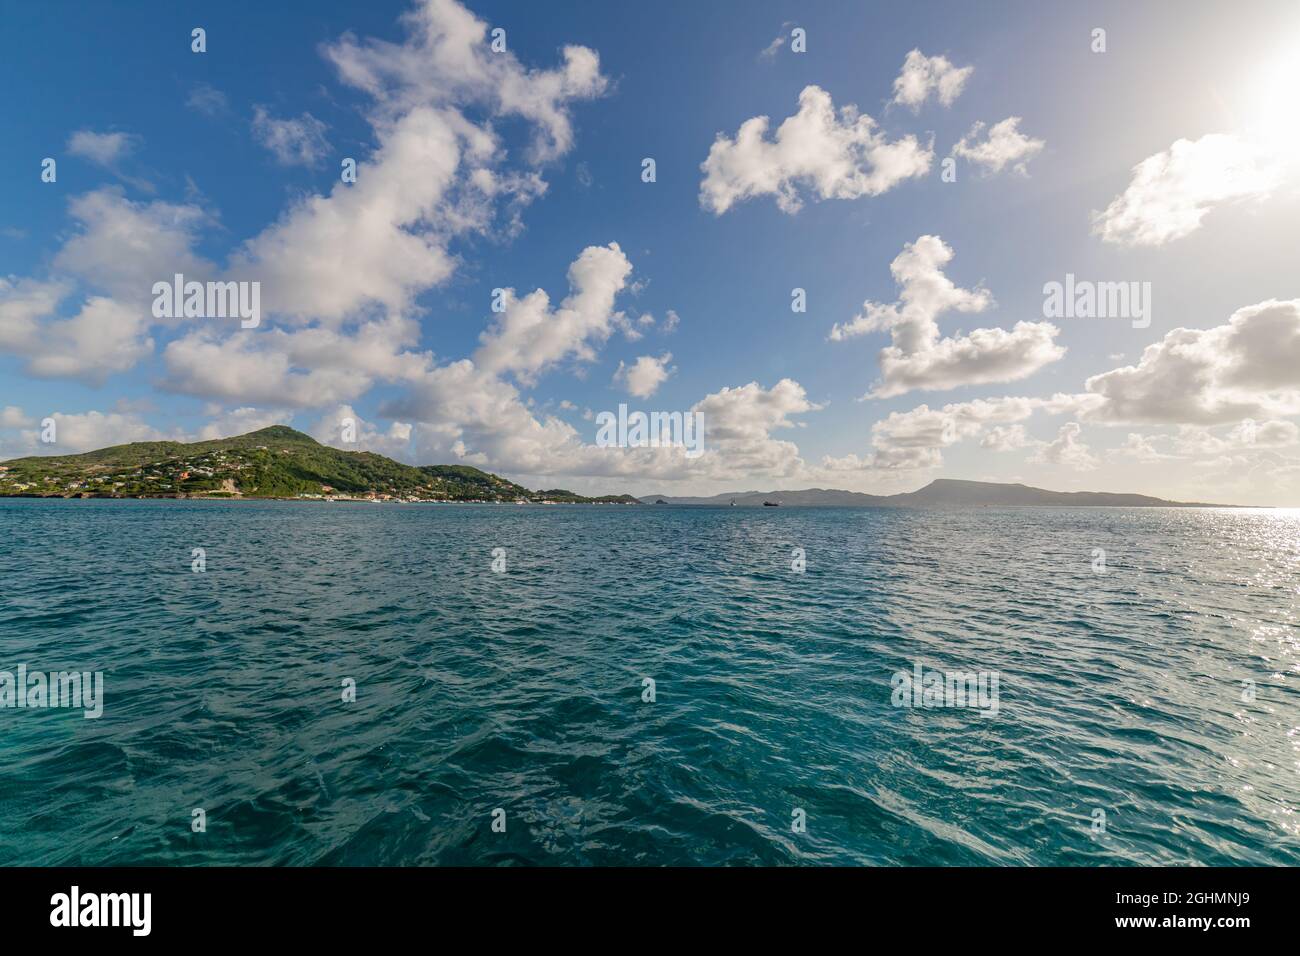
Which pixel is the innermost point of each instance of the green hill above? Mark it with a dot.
(274, 462)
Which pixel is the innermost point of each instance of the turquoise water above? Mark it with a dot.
(523, 690)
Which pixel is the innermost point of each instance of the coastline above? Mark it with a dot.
(1164, 506)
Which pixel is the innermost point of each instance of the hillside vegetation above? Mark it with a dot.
(274, 462)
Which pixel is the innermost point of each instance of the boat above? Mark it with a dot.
(771, 504)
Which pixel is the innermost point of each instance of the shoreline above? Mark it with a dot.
(628, 504)
(307, 499)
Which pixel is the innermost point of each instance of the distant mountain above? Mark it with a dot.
(940, 493)
(274, 462)
(279, 462)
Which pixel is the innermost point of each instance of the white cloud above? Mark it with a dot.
(207, 99)
(914, 439)
(381, 241)
(241, 421)
(1003, 145)
(76, 433)
(367, 244)
(1172, 191)
(842, 156)
(1247, 435)
(738, 427)
(103, 337)
(925, 75)
(348, 266)
(295, 141)
(918, 357)
(395, 441)
(1067, 449)
(1248, 368)
(769, 51)
(120, 249)
(644, 376)
(529, 336)
(103, 149)
(11, 416)
(778, 41)
(124, 247)
(1006, 438)
(465, 411)
(1141, 448)
(476, 415)
(343, 269)
(446, 60)
(298, 368)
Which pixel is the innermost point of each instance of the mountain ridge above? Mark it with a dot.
(281, 462)
(272, 462)
(939, 493)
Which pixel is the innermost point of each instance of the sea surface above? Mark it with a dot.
(1161, 694)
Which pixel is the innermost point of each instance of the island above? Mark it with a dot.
(274, 462)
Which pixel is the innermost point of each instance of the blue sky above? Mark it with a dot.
(227, 163)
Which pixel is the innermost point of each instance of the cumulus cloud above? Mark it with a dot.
(644, 376)
(473, 409)
(107, 269)
(293, 141)
(123, 247)
(367, 244)
(11, 416)
(530, 336)
(103, 149)
(1245, 436)
(1247, 368)
(1006, 438)
(918, 356)
(446, 61)
(467, 412)
(1002, 145)
(299, 368)
(835, 156)
(1067, 449)
(473, 414)
(85, 431)
(241, 421)
(435, 174)
(340, 272)
(923, 76)
(1141, 448)
(1173, 191)
(914, 439)
(103, 337)
(738, 425)
(395, 441)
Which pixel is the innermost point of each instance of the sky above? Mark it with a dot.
(844, 260)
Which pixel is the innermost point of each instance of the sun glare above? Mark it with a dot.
(1273, 110)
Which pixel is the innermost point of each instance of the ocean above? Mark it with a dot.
(351, 684)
